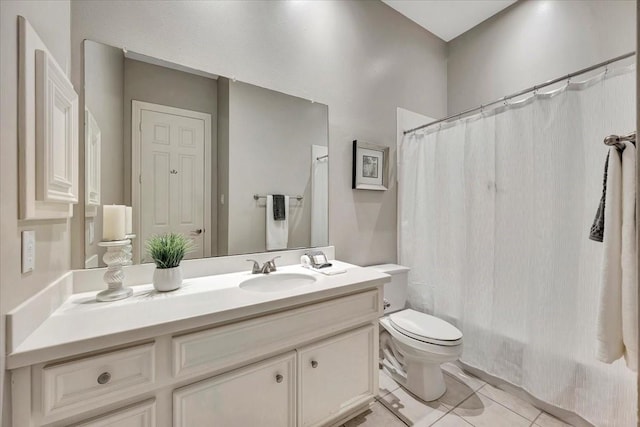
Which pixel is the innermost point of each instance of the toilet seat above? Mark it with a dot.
(425, 328)
(420, 349)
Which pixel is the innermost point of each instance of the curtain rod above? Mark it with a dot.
(522, 92)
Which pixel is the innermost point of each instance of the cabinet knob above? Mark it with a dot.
(104, 378)
(279, 378)
(314, 364)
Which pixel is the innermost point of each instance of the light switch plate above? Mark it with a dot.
(28, 251)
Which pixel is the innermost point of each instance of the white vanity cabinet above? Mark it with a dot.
(332, 377)
(311, 364)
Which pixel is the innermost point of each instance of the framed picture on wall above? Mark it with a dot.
(370, 166)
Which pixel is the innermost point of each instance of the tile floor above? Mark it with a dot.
(468, 401)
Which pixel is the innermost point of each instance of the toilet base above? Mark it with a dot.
(422, 380)
(415, 364)
(425, 381)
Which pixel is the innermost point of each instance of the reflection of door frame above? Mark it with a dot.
(136, 120)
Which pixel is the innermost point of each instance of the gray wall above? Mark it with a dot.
(223, 165)
(104, 88)
(270, 135)
(51, 20)
(179, 89)
(361, 58)
(532, 42)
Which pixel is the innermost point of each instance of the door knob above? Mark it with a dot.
(314, 364)
(279, 378)
(198, 231)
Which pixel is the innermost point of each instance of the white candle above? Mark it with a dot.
(128, 215)
(113, 222)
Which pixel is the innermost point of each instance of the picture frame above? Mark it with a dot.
(370, 166)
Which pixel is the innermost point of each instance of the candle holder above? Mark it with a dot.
(117, 255)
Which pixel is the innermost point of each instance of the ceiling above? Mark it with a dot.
(448, 19)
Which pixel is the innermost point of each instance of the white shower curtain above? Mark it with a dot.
(494, 218)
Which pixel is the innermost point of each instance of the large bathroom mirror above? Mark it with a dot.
(196, 153)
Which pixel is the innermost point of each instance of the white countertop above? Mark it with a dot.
(82, 325)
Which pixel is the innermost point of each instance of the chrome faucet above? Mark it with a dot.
(267, 267)
(270, 266)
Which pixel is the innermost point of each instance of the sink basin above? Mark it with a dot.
(277, 282)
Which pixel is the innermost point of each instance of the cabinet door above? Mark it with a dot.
(262, 395)
(336, 375)
(142, 415)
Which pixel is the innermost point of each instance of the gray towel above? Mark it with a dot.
(597, 229)
(278, 208)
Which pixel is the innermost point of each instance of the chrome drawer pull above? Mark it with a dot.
(279, 378)
(104, 378)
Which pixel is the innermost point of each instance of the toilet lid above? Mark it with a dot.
(426, 328)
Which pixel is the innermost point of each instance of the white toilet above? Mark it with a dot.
(413, 345)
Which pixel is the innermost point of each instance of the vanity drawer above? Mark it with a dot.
(217, 348)
(96, 379)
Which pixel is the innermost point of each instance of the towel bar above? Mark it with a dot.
(260, 196)
(617, 140)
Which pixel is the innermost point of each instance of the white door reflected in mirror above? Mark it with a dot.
(172, 174)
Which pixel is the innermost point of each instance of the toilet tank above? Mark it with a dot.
(395, 292)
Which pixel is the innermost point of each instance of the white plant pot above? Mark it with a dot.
(167, 279)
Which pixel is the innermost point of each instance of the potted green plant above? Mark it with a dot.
(167, 250)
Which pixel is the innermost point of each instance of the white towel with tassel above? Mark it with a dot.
(277, 231)
(629, 258)
(618, 303)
